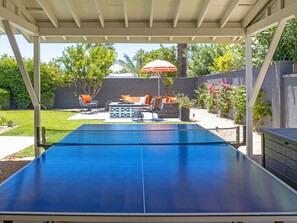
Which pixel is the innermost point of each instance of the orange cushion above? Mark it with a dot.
(170, 99)
(173, 100)
(86, 98)
(128, 99)
(148, 99)
(167, 99)
(135, 99)
(124, 96)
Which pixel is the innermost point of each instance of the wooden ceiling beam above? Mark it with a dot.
(228, 13)
(99, 12)
(74, 12)
(203, 12)
(48, 11)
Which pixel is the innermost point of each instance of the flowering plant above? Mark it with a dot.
(212, 98)
(225, 102)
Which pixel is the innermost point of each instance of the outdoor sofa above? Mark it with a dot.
(170, 106)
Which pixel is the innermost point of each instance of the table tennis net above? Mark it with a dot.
(135, 137)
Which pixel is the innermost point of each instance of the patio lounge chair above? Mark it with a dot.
(157, 104)
(86, 101)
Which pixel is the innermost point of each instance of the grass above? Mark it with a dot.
(50, 119)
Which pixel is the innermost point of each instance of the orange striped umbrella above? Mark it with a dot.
(159, 66)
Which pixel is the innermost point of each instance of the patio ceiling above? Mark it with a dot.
(145, 21)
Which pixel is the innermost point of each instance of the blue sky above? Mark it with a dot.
(52, 50)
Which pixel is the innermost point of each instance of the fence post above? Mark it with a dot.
(238, 135)
(244, 135)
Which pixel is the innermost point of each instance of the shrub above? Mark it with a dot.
(11, 79)
(201, 94)
(184, 101)
(224, 98)
(48, 100)
(261, 109)
(239, 103)
(212, 97)
(4, 99)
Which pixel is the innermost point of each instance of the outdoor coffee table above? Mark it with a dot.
(123, 110)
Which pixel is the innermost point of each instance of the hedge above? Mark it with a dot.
(11, 79)
(4, 99)
(48, 100)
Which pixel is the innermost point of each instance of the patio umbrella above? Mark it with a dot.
(159, 66)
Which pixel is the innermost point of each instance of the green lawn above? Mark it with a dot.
(50, 119)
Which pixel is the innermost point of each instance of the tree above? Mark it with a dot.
(86, 65)
(128, 65)
(223, 63)
(181, 52)
(139, 58)
(287, 46)
(202, 56)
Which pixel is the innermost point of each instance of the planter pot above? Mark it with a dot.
(184, 114)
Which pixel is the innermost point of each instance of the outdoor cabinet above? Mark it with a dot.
(279, 147)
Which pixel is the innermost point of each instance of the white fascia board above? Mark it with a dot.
(207, 32)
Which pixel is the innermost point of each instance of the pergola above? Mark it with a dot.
(144, 21)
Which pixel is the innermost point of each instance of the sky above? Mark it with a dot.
(52, 50)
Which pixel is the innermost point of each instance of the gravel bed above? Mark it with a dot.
(9, 167)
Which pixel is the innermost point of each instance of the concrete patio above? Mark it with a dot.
(104, 115)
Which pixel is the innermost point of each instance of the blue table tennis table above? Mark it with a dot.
(145, 173)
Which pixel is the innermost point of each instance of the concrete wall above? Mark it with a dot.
(280, 92)
(290, 101)
(113, 88)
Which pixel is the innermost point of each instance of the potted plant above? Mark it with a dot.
(184, 104)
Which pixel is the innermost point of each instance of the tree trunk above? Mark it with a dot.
(181, 47)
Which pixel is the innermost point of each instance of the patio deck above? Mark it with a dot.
(104, 115)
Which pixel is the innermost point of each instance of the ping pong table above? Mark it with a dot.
(145, 173)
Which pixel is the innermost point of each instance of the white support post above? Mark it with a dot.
(249, 87)
(37, 92)
(20, 62)
(267, 60)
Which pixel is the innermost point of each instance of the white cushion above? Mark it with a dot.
(142, 100)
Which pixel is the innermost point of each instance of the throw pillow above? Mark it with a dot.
(124, 96)
(148, 99)
(128, 100)
(86, 98)
(142, 100)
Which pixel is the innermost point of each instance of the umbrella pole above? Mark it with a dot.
(158, 85)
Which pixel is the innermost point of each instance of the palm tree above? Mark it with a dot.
(128, 65)
(139, 57)
(181, 48)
